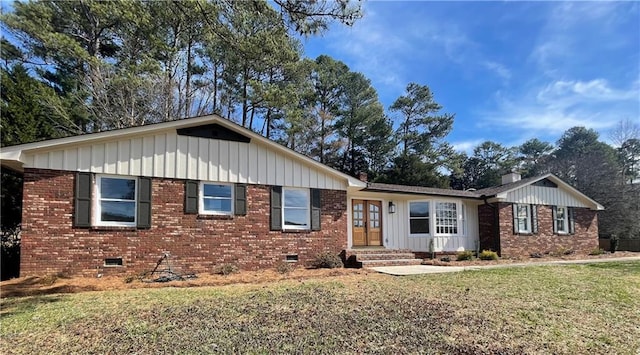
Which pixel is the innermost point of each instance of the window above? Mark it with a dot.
(522, 218)
(110, 200)
(295, 208)
(216, 199)
(563, 220)
(446, 218)
(116, 201)
(419, 217)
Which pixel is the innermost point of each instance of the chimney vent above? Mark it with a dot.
(511, 177)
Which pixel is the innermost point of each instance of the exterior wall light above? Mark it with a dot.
(392, 207)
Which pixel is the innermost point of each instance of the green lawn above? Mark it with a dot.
(540, 309)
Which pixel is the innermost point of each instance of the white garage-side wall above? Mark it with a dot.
(395, 226)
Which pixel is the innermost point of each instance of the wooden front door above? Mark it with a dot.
(367, 223)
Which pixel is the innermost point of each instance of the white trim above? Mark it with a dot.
(502, 196)
(565, 220)
(97, 204)
(308, 208)
(14, 156)
(201, 197)
(529, 216)
(461, 220)
(430, 219)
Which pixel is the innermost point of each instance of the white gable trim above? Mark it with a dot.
(15, 157)
(588, 202)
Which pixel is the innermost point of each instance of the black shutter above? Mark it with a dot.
(515, 218)
(144, 202)
(554, 215)
(276, 208)
(82, 208)
(572, 221)
(240, 208)
(534, 219)
(316, 207)
(191, 197)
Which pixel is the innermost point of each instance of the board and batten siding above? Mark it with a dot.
(539, 195)
(169, 155)
(395, 226)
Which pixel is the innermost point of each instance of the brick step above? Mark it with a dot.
(377, 251)
(395, 262)
(385, 256)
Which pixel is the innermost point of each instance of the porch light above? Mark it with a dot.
(392, 207)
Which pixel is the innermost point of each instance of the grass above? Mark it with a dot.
(591, 308)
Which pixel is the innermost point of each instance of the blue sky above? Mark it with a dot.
(510, 71)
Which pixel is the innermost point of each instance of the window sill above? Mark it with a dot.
(113, 228)
(215, 216)
(524, 233)
(419, 235)
(296, 230)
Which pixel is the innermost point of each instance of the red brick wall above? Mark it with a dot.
(584, 240)
(487, 218)
(197, 244)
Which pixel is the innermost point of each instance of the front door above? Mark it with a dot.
(367, 223)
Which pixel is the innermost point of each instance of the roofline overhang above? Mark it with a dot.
(12, 156)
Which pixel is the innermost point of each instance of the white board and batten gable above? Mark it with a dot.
(175, 149)
(544, 190)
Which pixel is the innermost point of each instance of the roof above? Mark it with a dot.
(497, 192)
(13, 156)
(419, 190)
(500, 192)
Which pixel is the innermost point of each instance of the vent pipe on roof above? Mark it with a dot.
(511, 177)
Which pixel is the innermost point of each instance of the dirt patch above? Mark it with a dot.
(51, 284)
(441, 261)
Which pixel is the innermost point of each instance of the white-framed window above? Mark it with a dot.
(447, 218)
(216, 198)
(562, 220)
(116, 203)
(523, 218)
(296, 207)
(419, 221)
(437, 217)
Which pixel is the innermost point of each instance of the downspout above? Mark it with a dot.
(495, 226)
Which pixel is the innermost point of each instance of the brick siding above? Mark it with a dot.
(584, 240)
(197, 244)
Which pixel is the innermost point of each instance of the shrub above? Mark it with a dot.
(284, 267)
(446, 259)
(464, 255)
(128, 279)
(597, 251)
(536, 255)
(226, 269)
(488, 255)
(328, 260)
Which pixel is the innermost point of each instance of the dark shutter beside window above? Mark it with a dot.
(572, 220)
(515, 218)
(316, 207)
(144, 202)
(276, 208)
(240, 208)
(534, 219)
(554, 216)
(191, 197)
(82, 212)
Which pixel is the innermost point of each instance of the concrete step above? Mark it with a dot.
(380, 250)
(384, 256)
(395, 262)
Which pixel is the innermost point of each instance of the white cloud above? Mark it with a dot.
(560, 105)
(499, 69)
(466, 146)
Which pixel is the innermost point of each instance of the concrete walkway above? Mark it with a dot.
(430, 269)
